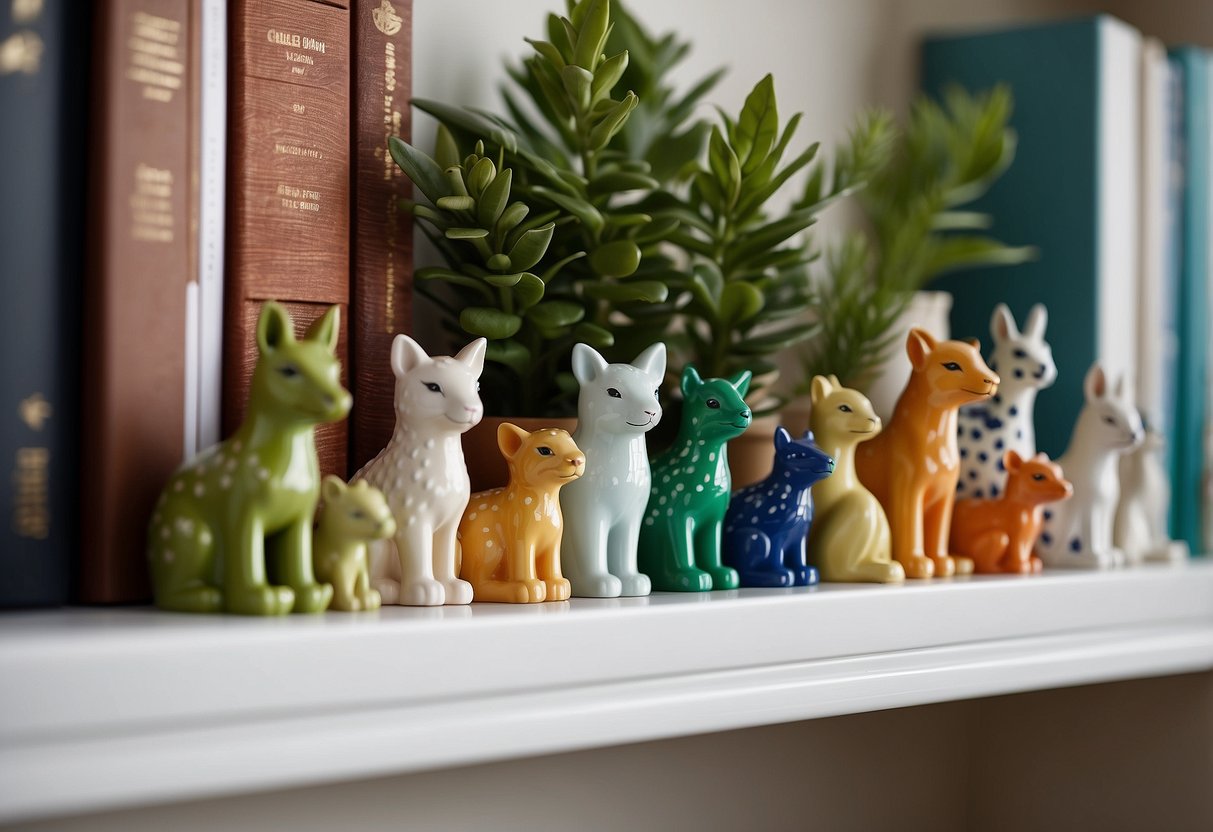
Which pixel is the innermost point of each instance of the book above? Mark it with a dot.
(288, 184)
(381, 247)
(1188, 439)
(136, 276)
(211, 136)
(1072, 191)
(41, 60)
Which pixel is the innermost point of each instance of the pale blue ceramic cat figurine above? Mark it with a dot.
(680, 538)
(767, 525)
(618, 404)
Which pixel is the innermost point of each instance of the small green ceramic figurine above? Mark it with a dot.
(255, 493)
(680, 536)
(350, 517)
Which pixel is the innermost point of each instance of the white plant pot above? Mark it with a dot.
(927, 310)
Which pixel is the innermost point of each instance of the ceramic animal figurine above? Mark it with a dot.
(422, 474)
(1140, 529)
(850, 536)
(680, 538)
(986, 431)
(240, 514)
(1078, 532)
(618, 404)
(999, 534)
(767, 524)
(510, 537)
(350, 517)
(912, 467)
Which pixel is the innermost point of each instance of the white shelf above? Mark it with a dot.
(110, 708)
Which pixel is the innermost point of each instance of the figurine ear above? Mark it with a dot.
(1038, 319)
(782, 438)
(741, 382)
(325, 329)
(690, 380)
(1002, 324)
(808, 434)
(331, 488)
(1095, 385)
(919, 346)
(473, 356)
(510, 438)
(974, 343)
(834, 380)
(588, 364)
(1012, 461)
(820, 388)
(1119, 389)
(407, 355)
(652, 362)
(274, 327)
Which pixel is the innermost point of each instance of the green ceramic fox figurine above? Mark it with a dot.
(350, 517)
(254, 494)
(680, 536)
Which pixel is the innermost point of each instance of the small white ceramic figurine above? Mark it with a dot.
(1078, 532)
(618, 404)
(987, 430)
(1145, 500)
(423, 476)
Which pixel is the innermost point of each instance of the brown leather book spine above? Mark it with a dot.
(381, 246)
(137, 270)
(288, 184)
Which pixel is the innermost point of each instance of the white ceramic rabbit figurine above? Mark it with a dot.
(423, 476)
(1078, 532)
(618, 404)
(1145, 499)
(987, 430)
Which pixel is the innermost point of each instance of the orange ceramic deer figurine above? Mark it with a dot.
(999, 534)
(510, 536)
(912, 468)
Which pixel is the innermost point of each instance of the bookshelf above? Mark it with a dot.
(129, 707)
(130, 719)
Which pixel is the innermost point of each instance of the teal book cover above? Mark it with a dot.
(1070, 192)
(1196, 223)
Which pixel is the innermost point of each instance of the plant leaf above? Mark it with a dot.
(421, 169)
(649, 291)
(488, 322)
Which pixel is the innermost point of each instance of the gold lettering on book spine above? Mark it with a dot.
(392, 121)
(31, 491)
(151, 204)
(155, 61)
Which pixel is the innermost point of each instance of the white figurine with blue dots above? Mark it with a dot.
(988, 429)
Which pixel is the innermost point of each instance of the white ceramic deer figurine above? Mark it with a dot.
(422, 474)
(1078, 532)
(1145, 499)
(987, 430)
(618, 404)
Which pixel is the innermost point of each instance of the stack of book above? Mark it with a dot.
(1112, 182)
(232, 153)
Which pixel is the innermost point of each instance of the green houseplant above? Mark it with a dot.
(918, 225)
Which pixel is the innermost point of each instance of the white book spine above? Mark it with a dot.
(212, 191)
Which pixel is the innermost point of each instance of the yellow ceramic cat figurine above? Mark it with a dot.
(850, 536)
(510, 536)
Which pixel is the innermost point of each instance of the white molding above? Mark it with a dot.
(111, 708)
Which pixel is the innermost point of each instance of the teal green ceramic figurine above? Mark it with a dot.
(680, 536)
(254, 494)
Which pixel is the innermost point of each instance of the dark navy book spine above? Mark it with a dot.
(43, 135)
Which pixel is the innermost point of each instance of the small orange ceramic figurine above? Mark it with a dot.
(913, 466)
(511, 536)
(999, 535)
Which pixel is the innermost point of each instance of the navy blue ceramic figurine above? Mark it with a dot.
(767, 524)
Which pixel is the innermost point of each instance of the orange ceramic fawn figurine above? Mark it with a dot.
(511, 536)
(999, 534)
(912, 467)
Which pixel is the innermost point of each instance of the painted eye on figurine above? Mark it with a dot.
(1110, 421)
(845, 408)
(432, 386)
(613, 393)
(712, 403)
(1038, 477)
(288, 371)
(544, 450)
(358, 515)
(952, 366)
(657, 393)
